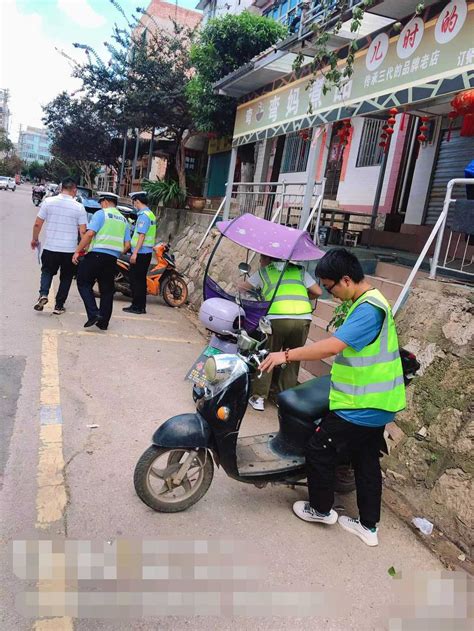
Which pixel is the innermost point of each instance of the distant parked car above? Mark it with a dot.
(11, 184)
(4, 182)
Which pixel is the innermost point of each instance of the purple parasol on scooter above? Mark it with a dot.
(269, 238)
(264, 237)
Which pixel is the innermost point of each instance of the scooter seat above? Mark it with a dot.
(308, 401)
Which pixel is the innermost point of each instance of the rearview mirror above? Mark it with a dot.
(244, 268)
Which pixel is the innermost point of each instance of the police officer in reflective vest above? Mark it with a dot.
(107, 236)
(367, 389)
(290, 314)
(143, 241)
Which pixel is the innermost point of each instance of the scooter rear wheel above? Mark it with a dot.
(153, 478)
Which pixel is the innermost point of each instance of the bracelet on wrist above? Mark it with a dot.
(287, 358)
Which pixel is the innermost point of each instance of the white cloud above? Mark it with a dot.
(31, 67)
(80, 12)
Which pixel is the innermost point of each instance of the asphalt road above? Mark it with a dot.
(63, 480)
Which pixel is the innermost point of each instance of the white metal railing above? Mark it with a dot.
(213, 221)
(439, 232)
(281, 202)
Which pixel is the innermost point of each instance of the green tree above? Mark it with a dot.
(35, 170)
(145, 81)
(83, 134)
(10, 165)
(222, 46)
(6, 145)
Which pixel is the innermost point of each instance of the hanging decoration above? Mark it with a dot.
(388, 130)
(344, 133)
(304, 134)
(422, 137)
(463, 105)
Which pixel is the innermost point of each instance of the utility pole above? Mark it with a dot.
(122, 165)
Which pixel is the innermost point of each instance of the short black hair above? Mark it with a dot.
(337, 263)
(68, 183)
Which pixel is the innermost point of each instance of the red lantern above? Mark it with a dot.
(392, 120)
(393, 111)
(463, 105)
(390, 130)
(421, 138)
(382, 144)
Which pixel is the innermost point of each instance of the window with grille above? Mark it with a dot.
(370, 154)
(295, 153)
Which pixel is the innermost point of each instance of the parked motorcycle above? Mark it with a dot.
(37, 197)
(162, 278)
(176, 471)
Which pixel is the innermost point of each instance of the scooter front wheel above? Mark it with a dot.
(159, 481)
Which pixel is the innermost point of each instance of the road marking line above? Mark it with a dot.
(51, 498)
(105, 334)
(125, 317)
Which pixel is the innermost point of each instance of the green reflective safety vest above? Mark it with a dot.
(112, 234)
(372, 377)
(291, 297)
(150, 235)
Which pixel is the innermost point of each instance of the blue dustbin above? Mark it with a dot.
(469, 173)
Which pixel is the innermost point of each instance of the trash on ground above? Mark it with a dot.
(425, 526)
(92, 426)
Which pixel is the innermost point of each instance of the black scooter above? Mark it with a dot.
(177, 470)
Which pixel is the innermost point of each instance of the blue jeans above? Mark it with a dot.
(51, 263)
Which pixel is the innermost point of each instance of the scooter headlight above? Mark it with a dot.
(220, 367)
(210, 370)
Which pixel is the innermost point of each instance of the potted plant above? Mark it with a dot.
(167, 192)
(196, 202)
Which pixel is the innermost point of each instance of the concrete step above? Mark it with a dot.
(325, 309)
(397, 273)
(317, 368)
(304, 376)
(391, 289)
(317, 330)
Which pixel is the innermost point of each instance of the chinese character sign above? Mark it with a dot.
(420, 55)
(410, 38)
(377, 52)
(450, 21)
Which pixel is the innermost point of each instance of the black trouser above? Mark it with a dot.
(51, 263)
(336, 441)
(99, 267)
(138, 274)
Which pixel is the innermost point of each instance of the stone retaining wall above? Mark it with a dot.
(187, 229)
(432, 464)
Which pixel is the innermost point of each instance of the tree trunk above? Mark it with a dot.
(180, 158)
(180, 162)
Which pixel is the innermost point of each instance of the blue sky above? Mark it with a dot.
(32, 32)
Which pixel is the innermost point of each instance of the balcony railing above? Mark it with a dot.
(299, 15)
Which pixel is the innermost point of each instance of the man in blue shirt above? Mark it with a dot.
(108, 235)
(143, 241)
(367, 388)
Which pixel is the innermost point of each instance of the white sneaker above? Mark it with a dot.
(304, 511)
(368, 535)
(258, 403)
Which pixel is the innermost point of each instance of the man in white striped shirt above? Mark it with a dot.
(65, 219)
